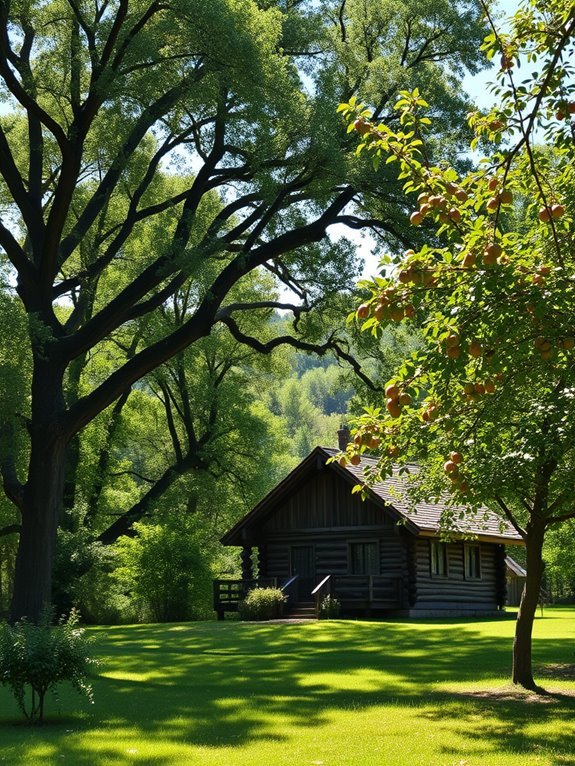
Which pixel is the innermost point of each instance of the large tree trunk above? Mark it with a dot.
(522, 662)
(42, 496)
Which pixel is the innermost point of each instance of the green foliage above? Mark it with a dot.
(487, 405)
(262, 604)
(329, 608)
(165, 570)
(35, 659)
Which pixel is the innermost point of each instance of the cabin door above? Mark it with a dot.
(303, 565)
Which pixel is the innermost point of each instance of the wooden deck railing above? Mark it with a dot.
(228, 593)
(354, 592)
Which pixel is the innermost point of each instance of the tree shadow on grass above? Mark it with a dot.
(226, 685)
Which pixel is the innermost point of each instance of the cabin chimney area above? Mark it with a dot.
(343, 437)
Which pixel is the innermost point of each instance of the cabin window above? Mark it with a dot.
(472, 561)
(364, 558)
(438, 559)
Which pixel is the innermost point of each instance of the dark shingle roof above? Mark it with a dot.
(423, 521)
(426, 516)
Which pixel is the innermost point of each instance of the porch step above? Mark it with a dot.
(302, 611)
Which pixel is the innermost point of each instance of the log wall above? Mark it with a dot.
(455, 591)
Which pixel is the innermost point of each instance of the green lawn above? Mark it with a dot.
(320, 694)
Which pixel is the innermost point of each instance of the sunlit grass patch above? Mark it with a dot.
(337, 693)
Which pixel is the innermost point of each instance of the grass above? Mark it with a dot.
(337, 693)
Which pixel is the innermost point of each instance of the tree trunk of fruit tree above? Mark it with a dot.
(42, 495)
(522, 660)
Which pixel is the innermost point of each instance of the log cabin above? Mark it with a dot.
(313, 537)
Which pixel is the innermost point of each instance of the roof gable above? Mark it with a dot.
(424, 521)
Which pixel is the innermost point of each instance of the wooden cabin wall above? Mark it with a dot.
(324, 501)
(454, 591)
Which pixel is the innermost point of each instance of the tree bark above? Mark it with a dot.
(42, 496)
(522, 645)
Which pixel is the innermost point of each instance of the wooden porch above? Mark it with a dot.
(356, 593)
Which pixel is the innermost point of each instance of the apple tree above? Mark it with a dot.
(488, 404)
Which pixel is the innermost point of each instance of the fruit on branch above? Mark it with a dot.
(544, 214)
(393, 407)
(475, 349)
(392, 391)
(455, 215)
(557, 211)
(416, 218)
(456, 457)
(363, 311)
(355, 459)
(362, 127)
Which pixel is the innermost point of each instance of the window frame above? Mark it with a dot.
(437, 545)
(468, 567)
(350, 557)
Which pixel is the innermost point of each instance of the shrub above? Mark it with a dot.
(262, 604)
(329, 608)
(165, 570)
(36, 658)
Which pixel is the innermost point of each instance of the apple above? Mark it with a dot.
(506, 197)
(493, 250)
(363, 311)
(450, 467)
(393, 407)
(343, 461)
(410, 310)
(404, 276)
(452, 340)
(456, 457)
(362, 127)
(380, 311)
(475, 349)
(469, 260)
(455, 215)
(392, 390)
(493, 204)
(355, 460)
(404, 399)
(454, 352)
(461, 195)
(493, 184)
(424, 209)
(489, 386)
(423, 199)
(544, 214)
(416, 218)
(557, 211)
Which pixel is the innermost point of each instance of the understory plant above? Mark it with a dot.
(330, 608)
(35, 658)
(262, 604)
